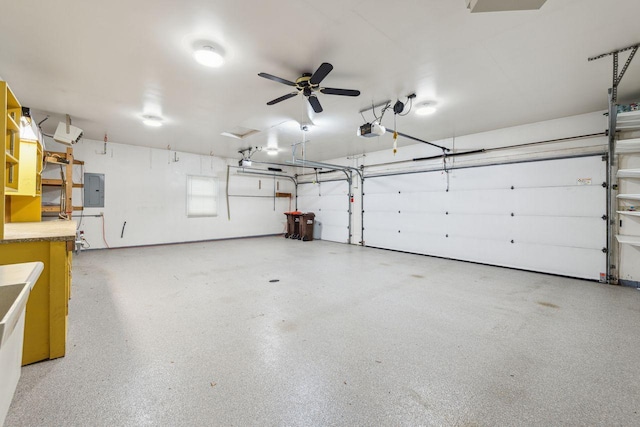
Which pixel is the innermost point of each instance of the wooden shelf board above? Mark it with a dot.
(628, 240)
(630, 213)
(12, 126)
(628, 120)
(58, 183)
(50, 208)
(57, 208)
(12, 101)
(628, 173)
(628, 146)
(11, 160)
(55, 160)
(64, 156)
(628, 196)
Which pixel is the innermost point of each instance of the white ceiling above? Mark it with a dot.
(106, 63)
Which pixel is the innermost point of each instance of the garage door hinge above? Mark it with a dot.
(604, 250)
(604, 217)
(604, 185)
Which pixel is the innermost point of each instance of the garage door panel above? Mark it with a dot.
(491, 227)
(493, 201)
(421, 201)
(382, 202)
(583, 232)
(330, 203)
(553, 201)
(552, 215)
(309, 204)
(416, 222)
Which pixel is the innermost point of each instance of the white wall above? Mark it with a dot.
(147, 189)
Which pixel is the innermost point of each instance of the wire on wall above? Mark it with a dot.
(104, 238)
(63, 195)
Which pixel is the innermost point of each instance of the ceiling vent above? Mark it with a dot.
(477, 6)
(240, 132)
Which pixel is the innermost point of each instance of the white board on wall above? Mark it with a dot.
(543, 216)
(330, 203)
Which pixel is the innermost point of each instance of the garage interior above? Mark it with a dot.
(471, 169)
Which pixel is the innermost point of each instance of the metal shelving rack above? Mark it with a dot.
(626, 123)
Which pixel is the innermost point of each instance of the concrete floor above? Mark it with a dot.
(198, 335)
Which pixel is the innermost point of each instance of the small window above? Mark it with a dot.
(202, 196)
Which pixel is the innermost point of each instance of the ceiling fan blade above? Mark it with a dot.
(343, 92)
(276, 79)
(315, 104)
(322, 71)
(282, 98)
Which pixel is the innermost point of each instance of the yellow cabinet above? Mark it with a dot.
(50, 242)
(9, 124)
(25, 204)
(10, 111)
(30, 168)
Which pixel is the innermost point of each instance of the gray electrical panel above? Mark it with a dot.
(94, 190)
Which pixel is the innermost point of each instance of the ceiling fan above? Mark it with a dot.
(308, 84)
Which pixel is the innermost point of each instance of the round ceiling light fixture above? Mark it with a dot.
(153, 121)
(208, 56)
(426, 108)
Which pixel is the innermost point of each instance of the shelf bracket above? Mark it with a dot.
(617, 77)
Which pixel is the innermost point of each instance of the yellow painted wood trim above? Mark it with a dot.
(58, 299)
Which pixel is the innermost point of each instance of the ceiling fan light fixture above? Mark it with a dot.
(426, 109)
(153, 121)
(208, 56)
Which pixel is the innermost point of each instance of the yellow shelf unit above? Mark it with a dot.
(10, 112)
(24, 238)
(24, 205)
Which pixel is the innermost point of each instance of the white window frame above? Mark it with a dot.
(202, 196)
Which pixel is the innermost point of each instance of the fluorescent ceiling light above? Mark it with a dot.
(426, 109)
(208, 56)
(152, 121)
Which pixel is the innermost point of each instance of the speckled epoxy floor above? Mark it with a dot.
(197, 335)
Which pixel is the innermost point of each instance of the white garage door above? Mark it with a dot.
(330, 202)
(543, 216)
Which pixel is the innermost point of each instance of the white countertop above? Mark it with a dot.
(26, 272)
(16, 282)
